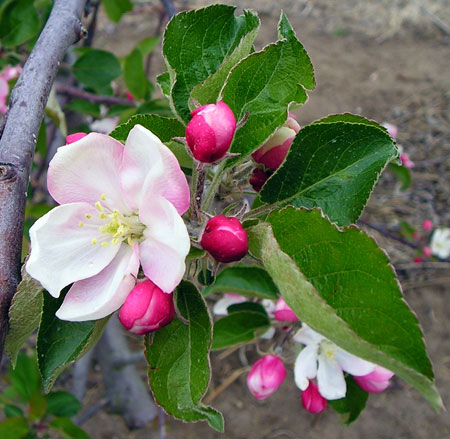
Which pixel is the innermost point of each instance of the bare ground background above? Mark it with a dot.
(389, 61)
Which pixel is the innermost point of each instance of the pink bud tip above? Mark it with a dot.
(427, 225)
(12, 72)
(265, 376)
(376, 381)
(417, 260)
(391, 129)
(312, 400)
(225, 239)
(71, 138)
(210, 131)
(129, 96)
(283, 313)
(258, 178)
(274, 151)
(147, 308)
(406, 161)
(427, 252)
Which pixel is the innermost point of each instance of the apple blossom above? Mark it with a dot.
(440, 243)
(427, 252)
(376, 381)
(274, 151)
(323, 359)
(265, 376)
(72, 138)
(312, 400)
(225, 239)
(4, 91)
(221, 306)
(283, 313)
(427, 225)
(121, 206)
(210, 131)
(147, 308)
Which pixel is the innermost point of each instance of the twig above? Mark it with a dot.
(227, 383)
(91, 97)
(389, 234)
(92, 411)
(26, 109)
(169, 7)
(131, 358)
(92, 24)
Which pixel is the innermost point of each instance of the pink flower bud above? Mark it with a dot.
(129, 96)
(71, 138)
(283, 313)
(391, 129)
(376, 381)
(312, 400)
(258, 178)
(12, 72)
(406, 161)
(147, 308)
(210, 131)
(265, 376)
(427, 225)
(274, 151)
(427, 252)
(225, 239)
(417, 260)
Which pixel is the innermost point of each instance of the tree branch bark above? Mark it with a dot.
(26, 109)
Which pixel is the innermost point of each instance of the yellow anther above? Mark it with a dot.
(130, 241)
(103, 216)
(99, 206)
(94, 241)
(104, 244)
(103, 197)
(81, 224)
(114, 241)
(88, 216)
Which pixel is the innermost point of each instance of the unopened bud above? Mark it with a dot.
(265, 376)
(391, 129)
(376, 381)
(406, 161)
(274, 151)
(147, 308)
(210, 131)
(312, 400)
(225, 239)
(72, 138)
(258, 178)
(283, 313)
(427, 225)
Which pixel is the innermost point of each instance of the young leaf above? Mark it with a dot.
(68, 429)
(25, 377)
(19, 21)
(403, 175)
(196, 43)
(249, 281)
(147, 45)
(14, 428)
(333, 165)
(239, 327)
(84, 107)
(178, 359)
(62, 404)
(263, 85)
(60, 342)
(343, 286)
(134, 74)
(24, 314)
(37, 406)
(354, 402)
(163, 80)
(12, 411)
(116, 8)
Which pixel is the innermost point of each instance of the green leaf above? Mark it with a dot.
(84, 107)
(161, 127)
(178, 358)
(163, 80)
(239, 327)
(37, 406)
(343, 286)
(24, 314)
(196, 43)
(14, 428)
(12, 411)
(247, 306)
(354, 402)
(263, 85)
(147, 45)
(403, 175)
(62, 404)
(25, 377)
(116, 8)
(60, 342)
(55, 112)
(68, 429)
(96, 69)
(18, 23)
(134, 74)
(249, 281)
(333, 165)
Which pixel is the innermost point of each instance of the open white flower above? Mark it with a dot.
(440, 243)
(120, 207)
(323, 359)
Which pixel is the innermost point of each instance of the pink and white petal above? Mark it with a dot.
(86, 169)
(352, 364)
(308, 336)
(305, 367)
(144, 152)
(330, 378)
(61, 247)
(104, 293)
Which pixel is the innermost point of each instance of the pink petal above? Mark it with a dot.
(4, 87)
(150, 168)
(166, 243)
(101, 295)
(86, 169)
(62, 252)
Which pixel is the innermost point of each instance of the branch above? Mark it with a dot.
(26, 109)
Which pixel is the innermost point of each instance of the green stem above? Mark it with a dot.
(255, 213)
(214, 185)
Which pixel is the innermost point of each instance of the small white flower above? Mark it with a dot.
(323, 359)
(440, 243)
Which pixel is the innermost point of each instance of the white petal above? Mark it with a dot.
(305, 367)
(86, 169)
(308, 336)
(352, 364)
(220, 307)
(330, 378)
(268, 335)
(166, 244)
(62, 252)
(101, 295)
